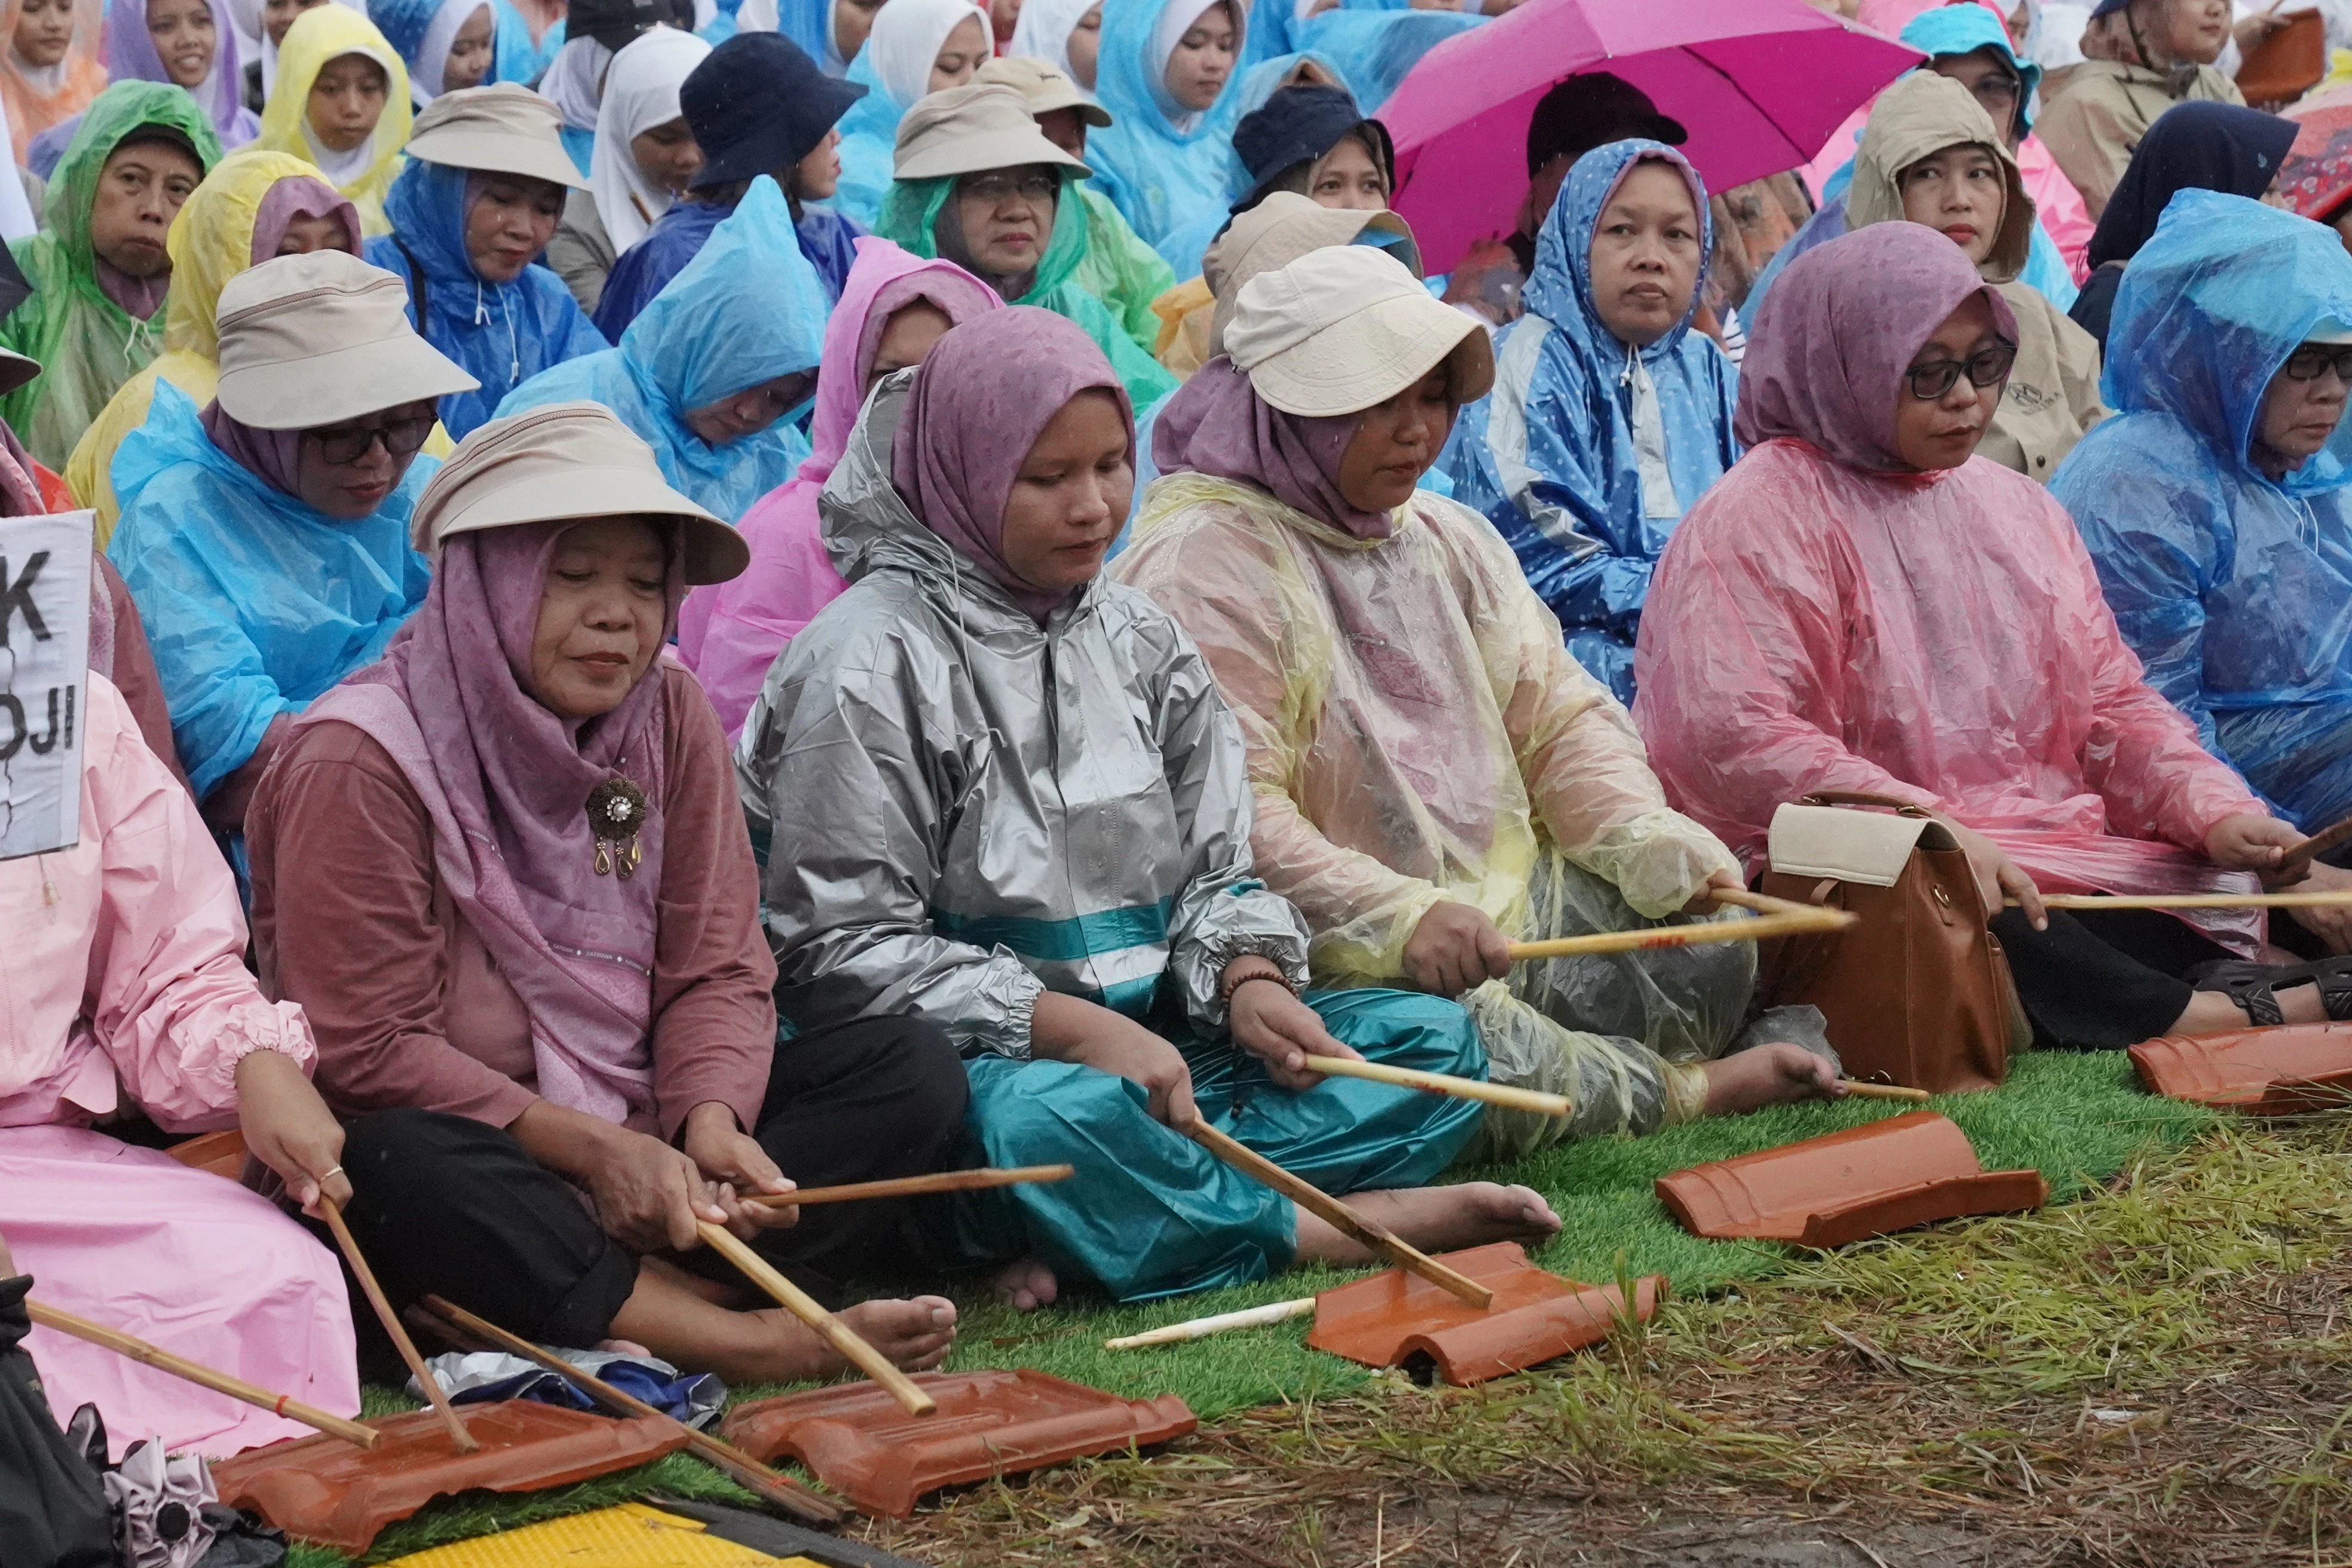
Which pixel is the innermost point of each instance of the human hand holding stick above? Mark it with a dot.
(1777, 917)
(333, 1214)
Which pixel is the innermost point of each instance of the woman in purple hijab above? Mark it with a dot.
(183, 43)
(1863, 603)
(999, 793)
(505, 865)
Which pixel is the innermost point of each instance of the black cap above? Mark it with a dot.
(1581, 112)
(613, 23)
(758, 104)
(1298, 125)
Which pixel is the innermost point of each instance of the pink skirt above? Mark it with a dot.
(133, 1239)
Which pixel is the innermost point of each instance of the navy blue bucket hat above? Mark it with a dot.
(758, 105)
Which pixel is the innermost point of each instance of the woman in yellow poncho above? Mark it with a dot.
(329, 109)
(252, 207)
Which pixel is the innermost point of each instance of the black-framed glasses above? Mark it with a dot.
(1932, 380)
(998, 189)
(341, 444)
(2309, 362)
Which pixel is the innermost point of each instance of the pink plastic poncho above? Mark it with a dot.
(1937, 638)
(729, 633)
(122, 974)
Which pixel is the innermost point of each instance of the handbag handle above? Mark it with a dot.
(1859, 797)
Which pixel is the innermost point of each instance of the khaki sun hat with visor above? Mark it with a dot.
(562, 462)
(503, 129)
(969, 129)
(1044, 86)
(1345, 327)
(315, 340)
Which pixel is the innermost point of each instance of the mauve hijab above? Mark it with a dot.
(273, 456)
(1827, 354)
(982, 396)
(506, 783)
(299, 195)
(1217, 425)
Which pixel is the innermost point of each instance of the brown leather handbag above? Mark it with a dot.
(1917, 992)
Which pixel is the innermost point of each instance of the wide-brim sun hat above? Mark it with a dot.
(1280, 229)
(969, 129)
(315, 340)
(1347, 327)
(503, 129)
(1044, 87)
(757, 105)
(566, 462)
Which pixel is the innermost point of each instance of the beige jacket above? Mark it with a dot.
(2092, 127)
(2054, 393)
(582, 253)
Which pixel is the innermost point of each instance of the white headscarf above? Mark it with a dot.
(269, 53)
(640, 92)
(1045, 28)
(432, 52)
(1176, 19)
(907, 37)
(574, 82)
(344, 168)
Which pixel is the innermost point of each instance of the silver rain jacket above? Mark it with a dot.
(958, 808)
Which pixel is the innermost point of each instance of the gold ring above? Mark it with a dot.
(336, 1171)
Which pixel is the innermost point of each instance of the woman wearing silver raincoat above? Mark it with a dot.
(998, 792)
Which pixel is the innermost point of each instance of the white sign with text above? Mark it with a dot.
(45, 570)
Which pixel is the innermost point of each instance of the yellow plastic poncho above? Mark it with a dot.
(319, 35)
(1417, 731)
(211, 242)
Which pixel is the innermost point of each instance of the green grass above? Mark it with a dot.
(2079, 1118)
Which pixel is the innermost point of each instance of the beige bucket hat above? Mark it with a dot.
(1346, 327)
(969, 129)
(1044, 86)
(1277, 232)
(503, 129)
(562, 461)
(313, 339)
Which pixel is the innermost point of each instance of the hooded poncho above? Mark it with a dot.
(1587, 453)
(130, 57)
(911, 217)
(38, 100)
(503, 333)
(321, 35)
(747, 310)
(423, 31)
(729, 633)
(235, 218)
(1163, 166)
(895, 66)
(2236, 590)
(1826, 620)
(87, 344)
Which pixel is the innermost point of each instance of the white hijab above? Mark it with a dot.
(1045, 28)
(640, 92)
(432, 53)
(907, 37)
(574, 82)
(342, 168)
(1176, 19)
(269, 53)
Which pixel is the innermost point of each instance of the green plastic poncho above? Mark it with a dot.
(87, 344)
(1120, 271)
(911, 215)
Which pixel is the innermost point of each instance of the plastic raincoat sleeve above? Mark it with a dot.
(1120, 271)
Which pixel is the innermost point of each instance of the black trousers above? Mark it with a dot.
(447, 1206)
(2099, 979)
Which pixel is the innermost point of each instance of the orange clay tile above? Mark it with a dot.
(222, 1153)
(2275, 1071)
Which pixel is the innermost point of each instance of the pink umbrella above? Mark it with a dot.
(1760, 84)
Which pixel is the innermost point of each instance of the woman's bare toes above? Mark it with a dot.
(1025, 1285)
(914, 1336)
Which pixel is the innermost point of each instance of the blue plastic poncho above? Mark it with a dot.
(1939, 31)
(502, 333)
(827, 240)
(2235, 590)
(1551, 455)
(514, 58)
(1163, 171)
(253, 602)
(809, 24)
(747, 310)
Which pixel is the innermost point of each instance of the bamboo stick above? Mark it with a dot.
(1333, 1212)
(1201, 1328)
(1443, 1083)
(1883, 1092)
(1775, 917)
(915, 1186)
(771, 1486)
(202, 1376)
(392, 1325)
(2301, 854)
(804, 1307)
(2195, 900)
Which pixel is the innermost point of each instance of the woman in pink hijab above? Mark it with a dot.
(1865, 605)
(892, 310)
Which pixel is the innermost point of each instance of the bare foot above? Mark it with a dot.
(1025, 1285)
(915, 1336)
(1435, 1219)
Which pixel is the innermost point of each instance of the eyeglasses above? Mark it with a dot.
(1998, 88)
(2313, 360)
(341, 444)
(1932, 380)
(998, 189)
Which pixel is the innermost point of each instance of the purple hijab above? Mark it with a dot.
(506, 783)
(299, 195)
(1826, 355)
(271, 456)
(983, 395)
(131, 53)
(1218, 424)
